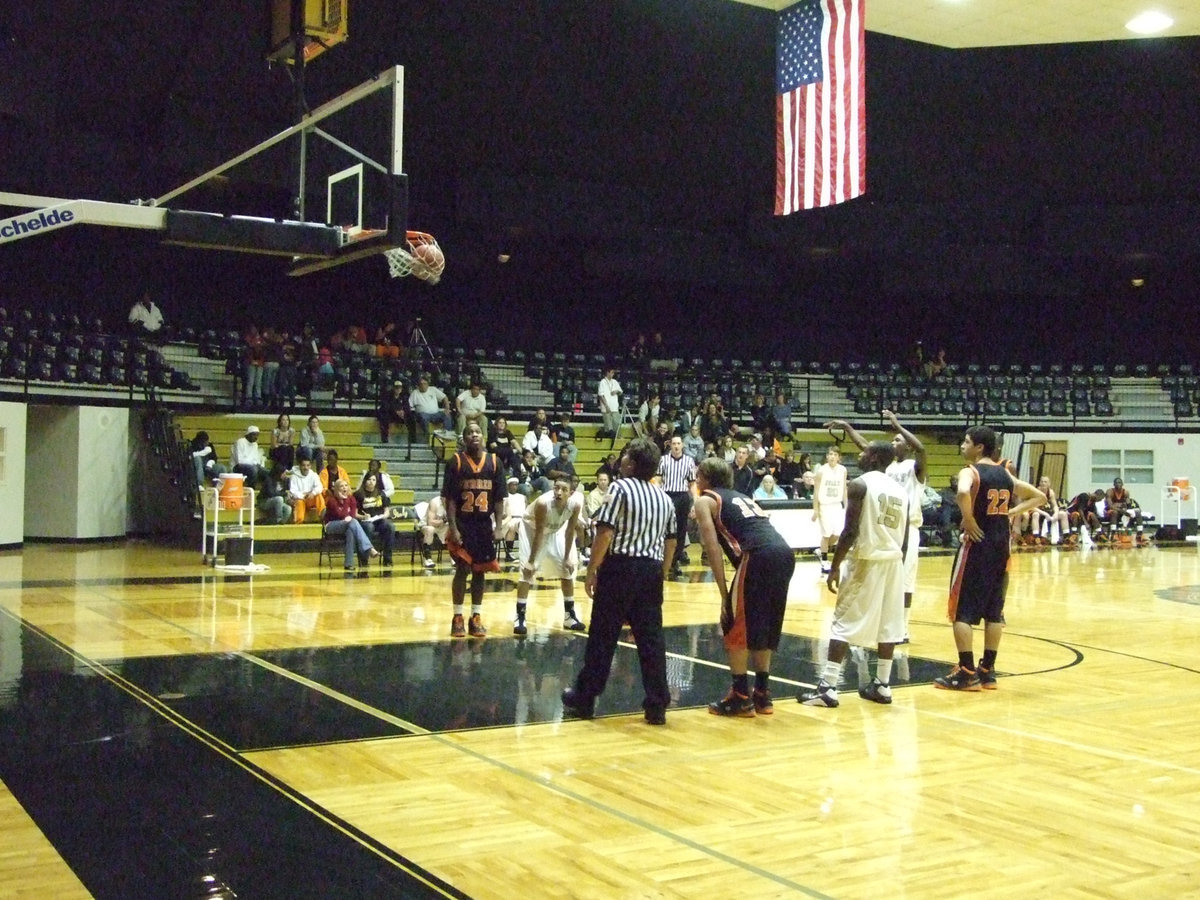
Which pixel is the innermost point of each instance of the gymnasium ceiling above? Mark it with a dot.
(1000, 23)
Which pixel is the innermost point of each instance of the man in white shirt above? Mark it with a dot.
(430, 404)
(472, 404)
(514, 513)
(145, 317)
(247, 458)
(538, 440)
(305, 491)
(609, 395)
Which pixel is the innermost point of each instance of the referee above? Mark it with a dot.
(625, 581)
(678, 472)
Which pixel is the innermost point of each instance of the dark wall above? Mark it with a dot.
(622, 153)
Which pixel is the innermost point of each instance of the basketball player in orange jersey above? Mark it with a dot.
(474, 495)
(979, 578)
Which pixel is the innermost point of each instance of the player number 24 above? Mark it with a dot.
(474, 501)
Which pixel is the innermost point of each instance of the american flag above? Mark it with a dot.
(820, 105)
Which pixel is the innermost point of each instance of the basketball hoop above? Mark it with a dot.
(422, 258)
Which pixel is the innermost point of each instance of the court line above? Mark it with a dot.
(331, 693)
(527, 776)
(187, 726)
(633, 820)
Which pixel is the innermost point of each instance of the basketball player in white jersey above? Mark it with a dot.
(908, 471)
(870, 592)
(829, 502)
(547, 535)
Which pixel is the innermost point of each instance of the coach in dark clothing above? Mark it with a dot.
(630, 557)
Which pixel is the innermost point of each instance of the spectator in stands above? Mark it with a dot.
(286, 380)
(341, 518)
(608, 395)
(394, 410)
(538, 440)
(308, 348)
(598, 495)
(146, 318)
(727, 450)
(561, 468)
(502, 442)
(649, 413)
(937, 366)
(204, 459)
(272, 498)
(914, 364)
(387, 341)
(757, 450)
(658, 347)
(770, 464)
(693, 443)
(563, 434)
(768, 490)
(714, 425)
(253, 359)
(744, 481)
(781, 415)
(247, 458)
(538, 418)
(356, 340)
(433, 525)
(662, 436)
(949, 515)
(305, 490)
(532, 476)
(472, 408)
(283, 441)
(330, 473)
(610, 466)
(373, 514)
(375, 467)
(638, 349)
(760, 413)
(312, 439)
(272, 349)
(791, 475)
(514, 515)
(430, 405)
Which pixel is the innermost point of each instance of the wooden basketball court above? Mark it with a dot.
(168, 730)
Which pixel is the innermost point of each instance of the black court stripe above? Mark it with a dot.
(164, 711)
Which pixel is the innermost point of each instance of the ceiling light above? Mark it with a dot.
(1149, 22)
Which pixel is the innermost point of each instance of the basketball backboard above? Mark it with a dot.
(342, 193)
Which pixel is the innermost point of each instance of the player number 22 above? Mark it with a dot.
(997, 502)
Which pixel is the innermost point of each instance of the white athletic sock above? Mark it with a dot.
(883, 670)
(458, 609)
(832, 674)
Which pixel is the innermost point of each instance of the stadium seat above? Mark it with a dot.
(1103, 408)
(1058, 408)
(1035, 408)
(1184, 409)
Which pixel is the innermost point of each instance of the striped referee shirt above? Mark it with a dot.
(642, 518)
(677, 474)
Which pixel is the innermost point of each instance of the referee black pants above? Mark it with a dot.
(628, 589)
(683, 506)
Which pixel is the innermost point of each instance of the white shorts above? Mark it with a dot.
(870, 604)
(832, 519)
(910, 559)
(557, 558)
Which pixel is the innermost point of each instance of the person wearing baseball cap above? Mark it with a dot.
(248, 459)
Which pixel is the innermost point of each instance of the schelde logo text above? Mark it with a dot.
(19, 226)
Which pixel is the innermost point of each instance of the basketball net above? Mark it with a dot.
(422, 258)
